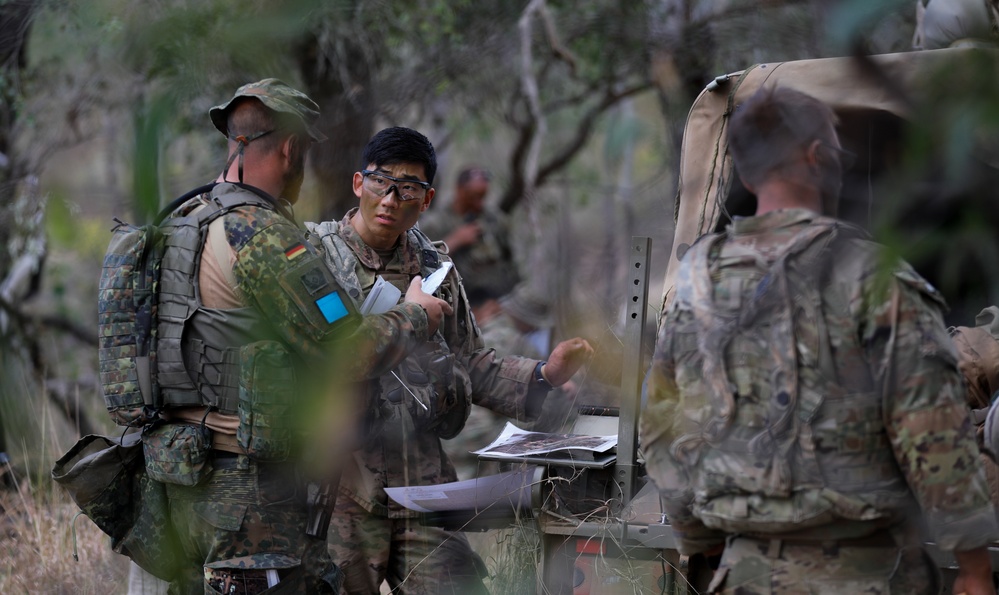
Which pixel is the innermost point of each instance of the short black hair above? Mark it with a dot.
(401, 145)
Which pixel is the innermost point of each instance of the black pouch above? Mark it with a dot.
(267, 391)
(100, 474)
(106, 477)
(178, 453)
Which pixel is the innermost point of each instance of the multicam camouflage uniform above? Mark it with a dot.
(804, 405)
(251, 514)
(978, 359)
(372, 538)
(500, 333)
(487, 266)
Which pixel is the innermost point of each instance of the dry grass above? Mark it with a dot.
(36, 547)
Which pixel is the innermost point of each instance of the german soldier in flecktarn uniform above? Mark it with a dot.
(246, 336)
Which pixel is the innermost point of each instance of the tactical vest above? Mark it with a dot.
(200, 367)
(431, 385)
(781, 434)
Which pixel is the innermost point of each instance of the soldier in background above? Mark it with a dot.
(805, 414)
(477, 236)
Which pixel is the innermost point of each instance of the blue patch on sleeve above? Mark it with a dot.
(332, 307)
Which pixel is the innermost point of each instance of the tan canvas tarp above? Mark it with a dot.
(705, 168)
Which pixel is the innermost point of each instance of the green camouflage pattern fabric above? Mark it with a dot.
(394, 452)
(755, 567)
(249, 515)
(258, 507)
(487, 266)
(429, 386)
(501, 334)
(267, 398)
(410, 557)
(127, 307)
(177, 453)
(848, 417)
(107, 480)
(279, 97)
(274, 286)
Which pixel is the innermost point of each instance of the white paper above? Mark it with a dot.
(507, 490)
(382, 297)
(434, 279)
(514, 442)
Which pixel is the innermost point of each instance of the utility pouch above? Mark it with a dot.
(267, 387)
(178, 453)
(108, 481)
(455, 399)
(100, 475)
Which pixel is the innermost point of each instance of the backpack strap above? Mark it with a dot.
(341, 259)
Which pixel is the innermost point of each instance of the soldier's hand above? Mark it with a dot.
(567, 358)
(435, 308)
(974, 575)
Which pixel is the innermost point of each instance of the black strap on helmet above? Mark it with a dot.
(243, 140)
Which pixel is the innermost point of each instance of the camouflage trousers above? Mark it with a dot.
(247, 519)
(413, 559)
(771, 567)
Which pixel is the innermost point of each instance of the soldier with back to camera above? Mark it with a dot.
(266, 325)
(805, 415)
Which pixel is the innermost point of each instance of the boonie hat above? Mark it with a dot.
(279, 97)
(526, 305)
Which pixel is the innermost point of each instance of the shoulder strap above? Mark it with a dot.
(268, 200)
(430, 253)
(338, 256)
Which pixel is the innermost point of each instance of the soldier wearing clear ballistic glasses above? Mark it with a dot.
(428, 396)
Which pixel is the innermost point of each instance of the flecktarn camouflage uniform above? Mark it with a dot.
(249, 513)
(805, 409)
(373, 538)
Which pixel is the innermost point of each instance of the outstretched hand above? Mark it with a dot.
(435, 308)
(974, 576)
(567, 358)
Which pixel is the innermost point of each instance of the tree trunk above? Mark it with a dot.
(347, 106)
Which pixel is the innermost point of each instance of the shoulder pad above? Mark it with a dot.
(430, 252)
(243, 223)
(323, 228)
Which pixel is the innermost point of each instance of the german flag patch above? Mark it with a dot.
(294, 252)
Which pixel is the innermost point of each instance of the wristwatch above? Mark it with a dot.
(539, 378)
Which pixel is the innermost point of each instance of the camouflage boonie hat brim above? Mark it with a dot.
(279, 97)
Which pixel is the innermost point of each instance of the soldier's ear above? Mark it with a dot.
(358, 183)
(426, 200)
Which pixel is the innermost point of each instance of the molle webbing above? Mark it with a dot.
(188, 373)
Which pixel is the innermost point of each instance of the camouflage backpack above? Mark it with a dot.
(130, 322)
